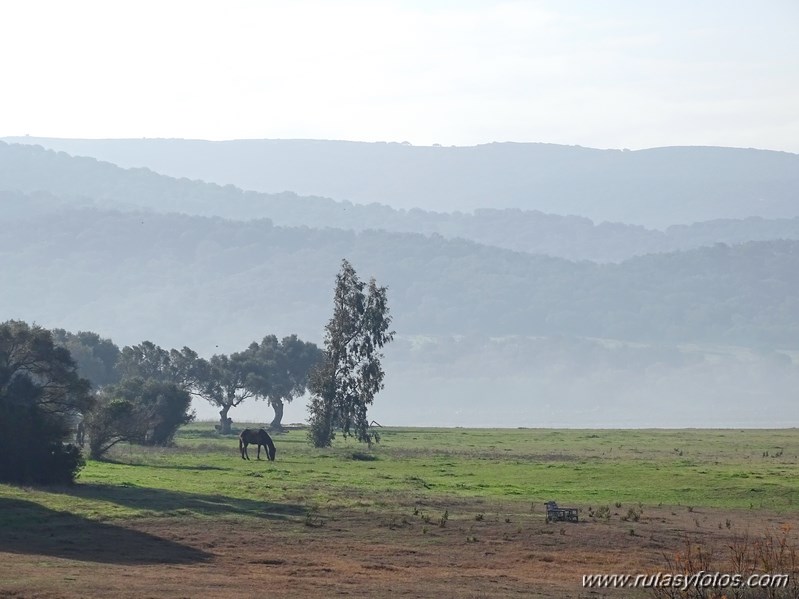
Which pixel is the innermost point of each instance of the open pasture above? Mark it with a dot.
(427, 512)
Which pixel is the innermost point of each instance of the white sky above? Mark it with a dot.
(598, 73)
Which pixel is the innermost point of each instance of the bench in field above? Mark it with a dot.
(560, 514)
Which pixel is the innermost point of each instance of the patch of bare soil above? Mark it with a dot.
(470, 552)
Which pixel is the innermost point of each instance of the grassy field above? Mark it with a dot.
(477, 489)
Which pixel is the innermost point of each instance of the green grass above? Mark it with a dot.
(203, 475)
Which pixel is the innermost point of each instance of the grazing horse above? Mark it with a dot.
(258, 437)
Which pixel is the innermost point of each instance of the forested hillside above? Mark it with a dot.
(55, 180)
(656, 188)
(225, 276)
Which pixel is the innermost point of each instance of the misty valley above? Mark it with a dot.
(505, 311)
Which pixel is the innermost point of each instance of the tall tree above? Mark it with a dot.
(345, 384)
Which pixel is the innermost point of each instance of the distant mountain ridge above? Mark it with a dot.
(654, 188)
(38, 181)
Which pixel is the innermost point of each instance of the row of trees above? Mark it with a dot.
(144, 392)
(156, 385)
(346, 375)
(274, 370)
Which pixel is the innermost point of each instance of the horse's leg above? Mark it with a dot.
(246, 453)
(259, 450)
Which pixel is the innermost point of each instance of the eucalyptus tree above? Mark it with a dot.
(345, 384)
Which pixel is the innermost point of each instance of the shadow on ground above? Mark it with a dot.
(30, 528)
(166, 502)
(200, 467)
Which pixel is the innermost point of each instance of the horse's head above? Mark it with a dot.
(266, 441)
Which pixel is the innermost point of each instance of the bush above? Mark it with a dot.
(112, 421)
(136, 410)
(30, 449)
(40, 393)
(773, 554)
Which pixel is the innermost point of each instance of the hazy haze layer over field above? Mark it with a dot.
(491, 330)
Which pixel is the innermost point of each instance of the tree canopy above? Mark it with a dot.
(96, 357)
(282, 370)
(273, 370)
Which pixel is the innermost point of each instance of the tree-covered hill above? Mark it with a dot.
(655, 187)
(36, 181)
(215, 280)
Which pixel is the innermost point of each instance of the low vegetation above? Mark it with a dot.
(610, 474)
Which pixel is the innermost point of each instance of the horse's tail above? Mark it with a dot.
(241, 446)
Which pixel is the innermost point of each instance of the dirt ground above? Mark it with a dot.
(503, 551)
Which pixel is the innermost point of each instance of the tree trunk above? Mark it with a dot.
(224, 421)
(277, 421)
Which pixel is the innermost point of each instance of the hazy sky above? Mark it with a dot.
(635, 74)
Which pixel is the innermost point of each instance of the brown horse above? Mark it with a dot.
(256, 437)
